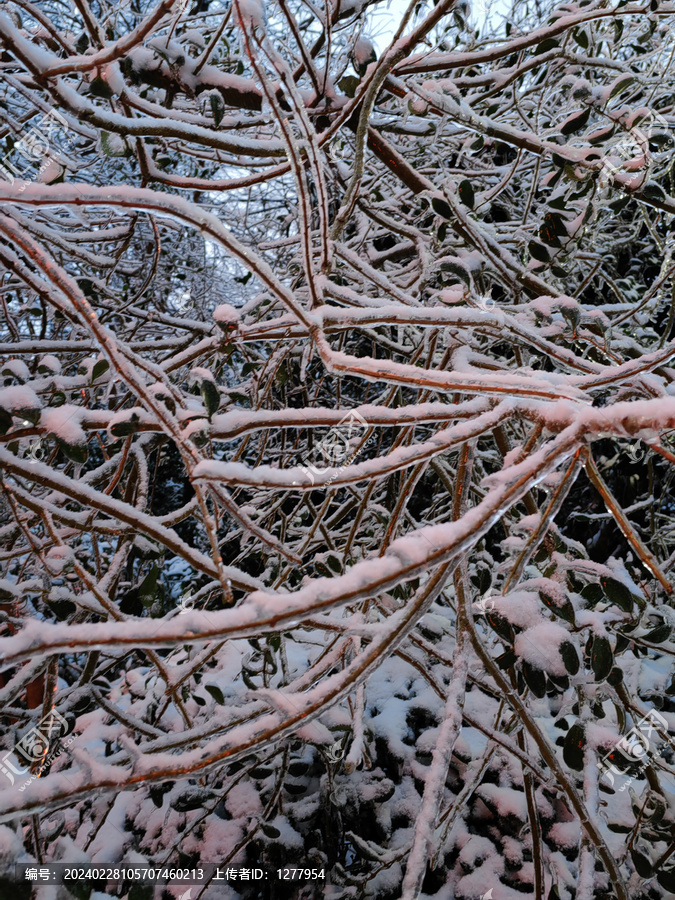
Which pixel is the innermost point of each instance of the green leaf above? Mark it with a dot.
(617, 205)
(241, 398)
(615, 676)
(576, 122)
(348, 85)
(573, 747)
(157, 795)
(5, 421)
(549, 237)
(642, 863)
(535, 680)
(101, 366)
(602, 658)
(558, 202)
(571, 315)
(76, 453)
(216, 693)
(122, 429)
(30, 413)
(653, 192)
(295, 789)
(658, 635)
(622, 82)
(193, 798)
(581, 37)
(570, 657)
(441, 207)
(100, 88)
(538, 252)
(466, 194)
(600, 135)
(147, 589)
(545, 46)
(559, 682)
(501, 626)
(217, 107)
(506, 659)
(274, 640)
(457, 269)
(666, 878)
(618, 594)
(210, 396)
(270, 831)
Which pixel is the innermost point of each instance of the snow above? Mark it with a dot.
(17, 368)
(339, 618)
(243, 801)
(65, 422)
(540, 647)
(11, 849)
(252, 13)
(226, 315)
(18, 397)
(507, 801)
(363, 50)
(57, 558)
(51, 363)
(521, 608)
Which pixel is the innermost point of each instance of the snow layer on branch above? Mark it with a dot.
(226, 314)
(11, 849)
(64, 422)
(252, 13)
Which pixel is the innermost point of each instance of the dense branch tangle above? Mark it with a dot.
(305, 348)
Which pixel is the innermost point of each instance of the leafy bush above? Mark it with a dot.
(337, 525)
